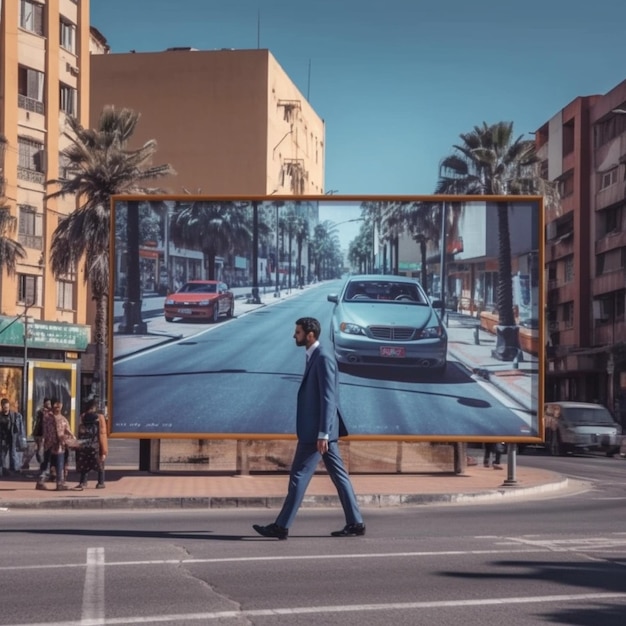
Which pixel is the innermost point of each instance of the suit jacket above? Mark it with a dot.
(318, 399)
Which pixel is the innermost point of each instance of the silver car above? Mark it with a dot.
(387, 321)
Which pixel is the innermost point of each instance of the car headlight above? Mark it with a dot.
(169, 301)
(432, 332)
(351, 329)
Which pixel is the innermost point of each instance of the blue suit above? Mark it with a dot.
(318, 412)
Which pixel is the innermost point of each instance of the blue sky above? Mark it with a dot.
(397, 81)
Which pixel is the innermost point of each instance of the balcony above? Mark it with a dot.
(611, 241)
(30, 104)
(31, 241)
(32, 176)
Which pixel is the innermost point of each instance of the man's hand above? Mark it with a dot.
(322, 446)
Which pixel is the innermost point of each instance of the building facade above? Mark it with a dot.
(44, 76)
(583, 150)
(230, 122)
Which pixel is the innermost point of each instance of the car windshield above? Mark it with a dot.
(387, 291)
(584, 415)
(198, 288)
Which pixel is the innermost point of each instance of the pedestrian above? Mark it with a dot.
(11, 432)
(34, 450)
(58, 438)
(93, 450)
(494, 449)
(318, 427)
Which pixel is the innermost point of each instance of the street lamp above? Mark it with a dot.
(277, 292)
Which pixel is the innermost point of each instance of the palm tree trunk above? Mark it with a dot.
(507, 333)
(424, 268)
(100, 323)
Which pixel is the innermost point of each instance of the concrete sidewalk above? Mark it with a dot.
(129, 488)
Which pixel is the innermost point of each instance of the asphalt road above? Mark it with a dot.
(552, 560)
(242, 375)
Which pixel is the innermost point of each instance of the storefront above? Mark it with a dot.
(41, 359)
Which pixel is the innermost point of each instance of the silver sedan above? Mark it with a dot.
(387, 321)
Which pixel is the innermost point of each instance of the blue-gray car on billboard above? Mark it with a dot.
(387, 321)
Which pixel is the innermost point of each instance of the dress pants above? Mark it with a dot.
(305, 461)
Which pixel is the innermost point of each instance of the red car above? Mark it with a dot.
(200, 299)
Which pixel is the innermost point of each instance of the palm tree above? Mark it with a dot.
(214, 228)
(101, 165)
(423, 225)
(490, 161)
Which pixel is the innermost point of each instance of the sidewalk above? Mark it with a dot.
(127, 487)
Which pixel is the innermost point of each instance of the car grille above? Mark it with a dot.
(392, 333)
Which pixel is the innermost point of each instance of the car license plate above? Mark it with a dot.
(394, 352)
(184, 311)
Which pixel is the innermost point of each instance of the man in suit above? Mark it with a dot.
(318, 427)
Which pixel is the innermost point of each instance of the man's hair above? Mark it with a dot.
(90, 405)
(46, 399)
(310, 325)
(55, 401)
(4, 401)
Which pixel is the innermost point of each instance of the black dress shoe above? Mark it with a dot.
(271, 530)
(350, 530)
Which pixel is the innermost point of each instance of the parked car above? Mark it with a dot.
(580, 426)
(387, 321)
(200, 299)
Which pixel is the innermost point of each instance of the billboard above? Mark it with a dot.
(443, 342)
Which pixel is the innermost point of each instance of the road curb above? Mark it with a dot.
(276, 502)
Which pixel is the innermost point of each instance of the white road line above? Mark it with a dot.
(93, 589)
(263, 559)
(357, 608)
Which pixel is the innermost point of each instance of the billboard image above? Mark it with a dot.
(426, 303)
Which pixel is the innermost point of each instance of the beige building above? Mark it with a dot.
(44, 77)
(228, 121)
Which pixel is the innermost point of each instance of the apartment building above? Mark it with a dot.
(583, 149)
(44, 77)
(230, 122)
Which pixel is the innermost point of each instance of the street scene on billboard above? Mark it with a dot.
(429, 305)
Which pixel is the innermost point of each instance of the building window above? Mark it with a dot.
(31, 16)
(64, 167)
(67, 99)
(31, 160)
(609, 128)
(569, 269)
(30, 229)
(568, 315)
(68, 35)
(568, 138)
(608, 178)
(566, 184)
(612, 220)
(65, 295)
(30, 89)
(28, 289)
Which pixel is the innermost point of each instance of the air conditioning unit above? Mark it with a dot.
(550, 231)
(72, 69)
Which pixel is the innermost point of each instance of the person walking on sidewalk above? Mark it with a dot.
(318, 427)
(11, 429)
(58, 438)
(34, 450)
(92, 453)
(496, 450)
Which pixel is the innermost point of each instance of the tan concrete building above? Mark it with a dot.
(44, 77)
(228, 121)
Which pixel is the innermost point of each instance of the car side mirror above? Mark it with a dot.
(437, 304)
(332, 297)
